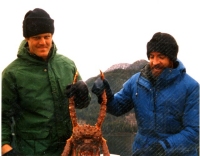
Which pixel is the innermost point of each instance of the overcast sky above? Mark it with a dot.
(98, 34)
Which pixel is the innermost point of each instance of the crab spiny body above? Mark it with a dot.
(86, 140)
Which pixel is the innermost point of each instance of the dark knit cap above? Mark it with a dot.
(163, 43)
(37, 22)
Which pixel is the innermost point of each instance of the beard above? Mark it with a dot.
(157, 70)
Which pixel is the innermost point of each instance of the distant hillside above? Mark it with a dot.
(116, 76)
(136, 66)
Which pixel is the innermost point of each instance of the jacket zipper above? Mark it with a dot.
(154, 107)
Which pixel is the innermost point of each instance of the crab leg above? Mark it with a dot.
(67, 148)
(72, 105)
(103, 108)
(105, 148)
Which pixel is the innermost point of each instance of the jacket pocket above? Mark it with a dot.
(32, 135)
(32, 143)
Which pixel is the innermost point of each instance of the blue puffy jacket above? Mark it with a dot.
(166, 110)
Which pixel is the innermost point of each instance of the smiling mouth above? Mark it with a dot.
(157, 69)
(42, 47)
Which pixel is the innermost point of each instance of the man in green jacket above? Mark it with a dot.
(35, 91)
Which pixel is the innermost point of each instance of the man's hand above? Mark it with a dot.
(80, 92)
(98, 87)
(5, 148)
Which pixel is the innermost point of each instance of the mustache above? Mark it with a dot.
(157, 67)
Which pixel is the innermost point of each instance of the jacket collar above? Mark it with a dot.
(23, 52)
(168, 76)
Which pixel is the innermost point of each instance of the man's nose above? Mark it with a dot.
(155, 61)
(42, 40)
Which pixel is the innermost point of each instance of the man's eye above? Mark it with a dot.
(162, 57)
(47, 37)
(36, 38)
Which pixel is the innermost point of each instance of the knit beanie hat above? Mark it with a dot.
(163, 43)
(37, 22)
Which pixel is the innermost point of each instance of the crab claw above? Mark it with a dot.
(75, 77)
(102, 75)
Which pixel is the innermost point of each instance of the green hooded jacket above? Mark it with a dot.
(33, 96)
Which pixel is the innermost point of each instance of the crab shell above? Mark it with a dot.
(87, 138)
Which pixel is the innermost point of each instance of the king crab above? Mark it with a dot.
(86, 140)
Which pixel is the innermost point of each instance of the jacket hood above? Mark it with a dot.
(168, 75)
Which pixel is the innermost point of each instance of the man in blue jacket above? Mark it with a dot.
(165, 100)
